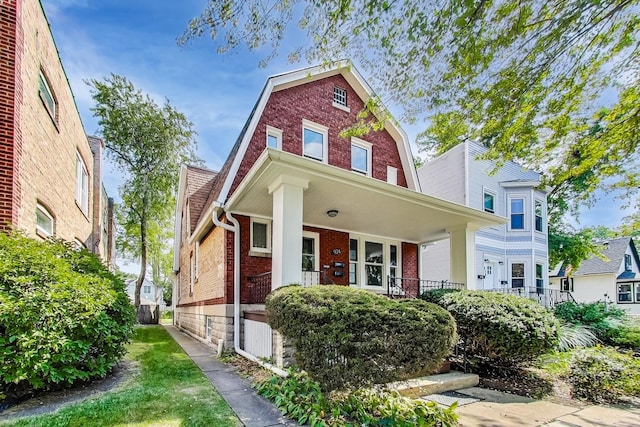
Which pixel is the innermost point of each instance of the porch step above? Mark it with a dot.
(437, 383)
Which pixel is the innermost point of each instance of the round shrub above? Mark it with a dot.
(501, 328)
(347, 338)
(604, 375)
(435, 295)
(63, 316)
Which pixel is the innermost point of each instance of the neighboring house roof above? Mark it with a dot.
(613, 252)
(199, 183)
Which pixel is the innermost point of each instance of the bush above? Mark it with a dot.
(350, 338)
(610, 324)
(435, 295)
(501, 328)
(63, 316)
(574, 336)
(301, 399)
(604, 375)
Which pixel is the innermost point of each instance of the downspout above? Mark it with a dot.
(235, 229)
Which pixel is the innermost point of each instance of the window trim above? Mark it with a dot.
(267, 222)
(197, 260)
(341, 106)
(277, 133)
(324, 131)
(52, 110)
(494, 196)
(191, 273)
(41, 231)
(631, 293)
(386, 264)
(524, 213)
(367, 146)
(82, 186)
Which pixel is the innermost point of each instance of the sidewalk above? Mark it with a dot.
(252, 410)
(488, 408)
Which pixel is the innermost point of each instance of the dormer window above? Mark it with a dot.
(627, 262)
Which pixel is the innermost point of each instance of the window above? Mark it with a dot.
(517, 275)
(147, 289)
(82, 185)
(339, 96)
(44, 221)
(46, 95)
(209, 326)
(624, 292)
(361, 156)
(314, 141)
(539, 278)
(353, 261)
(517, 214)
(274, 138)
(538, 215)
(566, 284)
(627, 262)
(637, 286)
(393, 261)
(260, 235)
(308, 254)
(489, 202)
(373, 263)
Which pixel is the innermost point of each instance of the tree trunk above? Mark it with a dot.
(143, 265)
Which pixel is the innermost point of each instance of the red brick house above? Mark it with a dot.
(297, 203)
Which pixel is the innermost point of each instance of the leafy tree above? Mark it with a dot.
(551, 85)
(147, 143)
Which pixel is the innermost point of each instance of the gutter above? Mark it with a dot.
(235, 229)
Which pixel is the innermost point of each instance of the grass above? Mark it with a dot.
(169, 390)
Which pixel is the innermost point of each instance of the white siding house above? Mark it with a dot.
(512, 255)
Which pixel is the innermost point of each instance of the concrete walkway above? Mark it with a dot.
(252, 409)
(488, 408)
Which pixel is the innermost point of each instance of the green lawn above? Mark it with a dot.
(169, 390)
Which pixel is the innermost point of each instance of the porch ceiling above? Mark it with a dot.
(365, 205)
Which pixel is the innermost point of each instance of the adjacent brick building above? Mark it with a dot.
(300, 201)
(50, 172)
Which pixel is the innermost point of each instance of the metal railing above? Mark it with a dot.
(403, 287)
(544, 296)
(259, 288)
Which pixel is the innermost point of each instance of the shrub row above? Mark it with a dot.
(301, 399)
(63, 316)
(352, 338)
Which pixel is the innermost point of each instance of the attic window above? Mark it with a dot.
(340, 98)
(46, 95)
(627, 262)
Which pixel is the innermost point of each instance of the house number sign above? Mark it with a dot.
(336, 251)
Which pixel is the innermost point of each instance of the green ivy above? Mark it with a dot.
(63, 316)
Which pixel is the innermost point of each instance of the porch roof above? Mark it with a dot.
(365, 205)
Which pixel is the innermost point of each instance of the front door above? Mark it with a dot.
(489, 276)
(310, 267)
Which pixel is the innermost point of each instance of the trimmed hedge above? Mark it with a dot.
(501, 328)
(63, 316)
(346, 337)
(604, 375)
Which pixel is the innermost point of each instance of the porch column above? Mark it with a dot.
(463, 256)
(286, 246)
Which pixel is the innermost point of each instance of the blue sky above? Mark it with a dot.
(137, 39)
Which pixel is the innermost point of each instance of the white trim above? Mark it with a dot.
(522, 197)
(542, 215)
(341, 107)
(276, 133)
(266, 222)
(322, 130)
(367, 146)
(316, 248)
(197, 260)
(386, 259)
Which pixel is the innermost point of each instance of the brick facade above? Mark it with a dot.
(410, 260)
(313, 101)
(38, 148)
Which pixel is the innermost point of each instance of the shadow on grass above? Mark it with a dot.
(169, 390)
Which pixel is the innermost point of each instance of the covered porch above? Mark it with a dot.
(328, 224)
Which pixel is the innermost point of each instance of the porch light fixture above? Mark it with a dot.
(332, 213)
